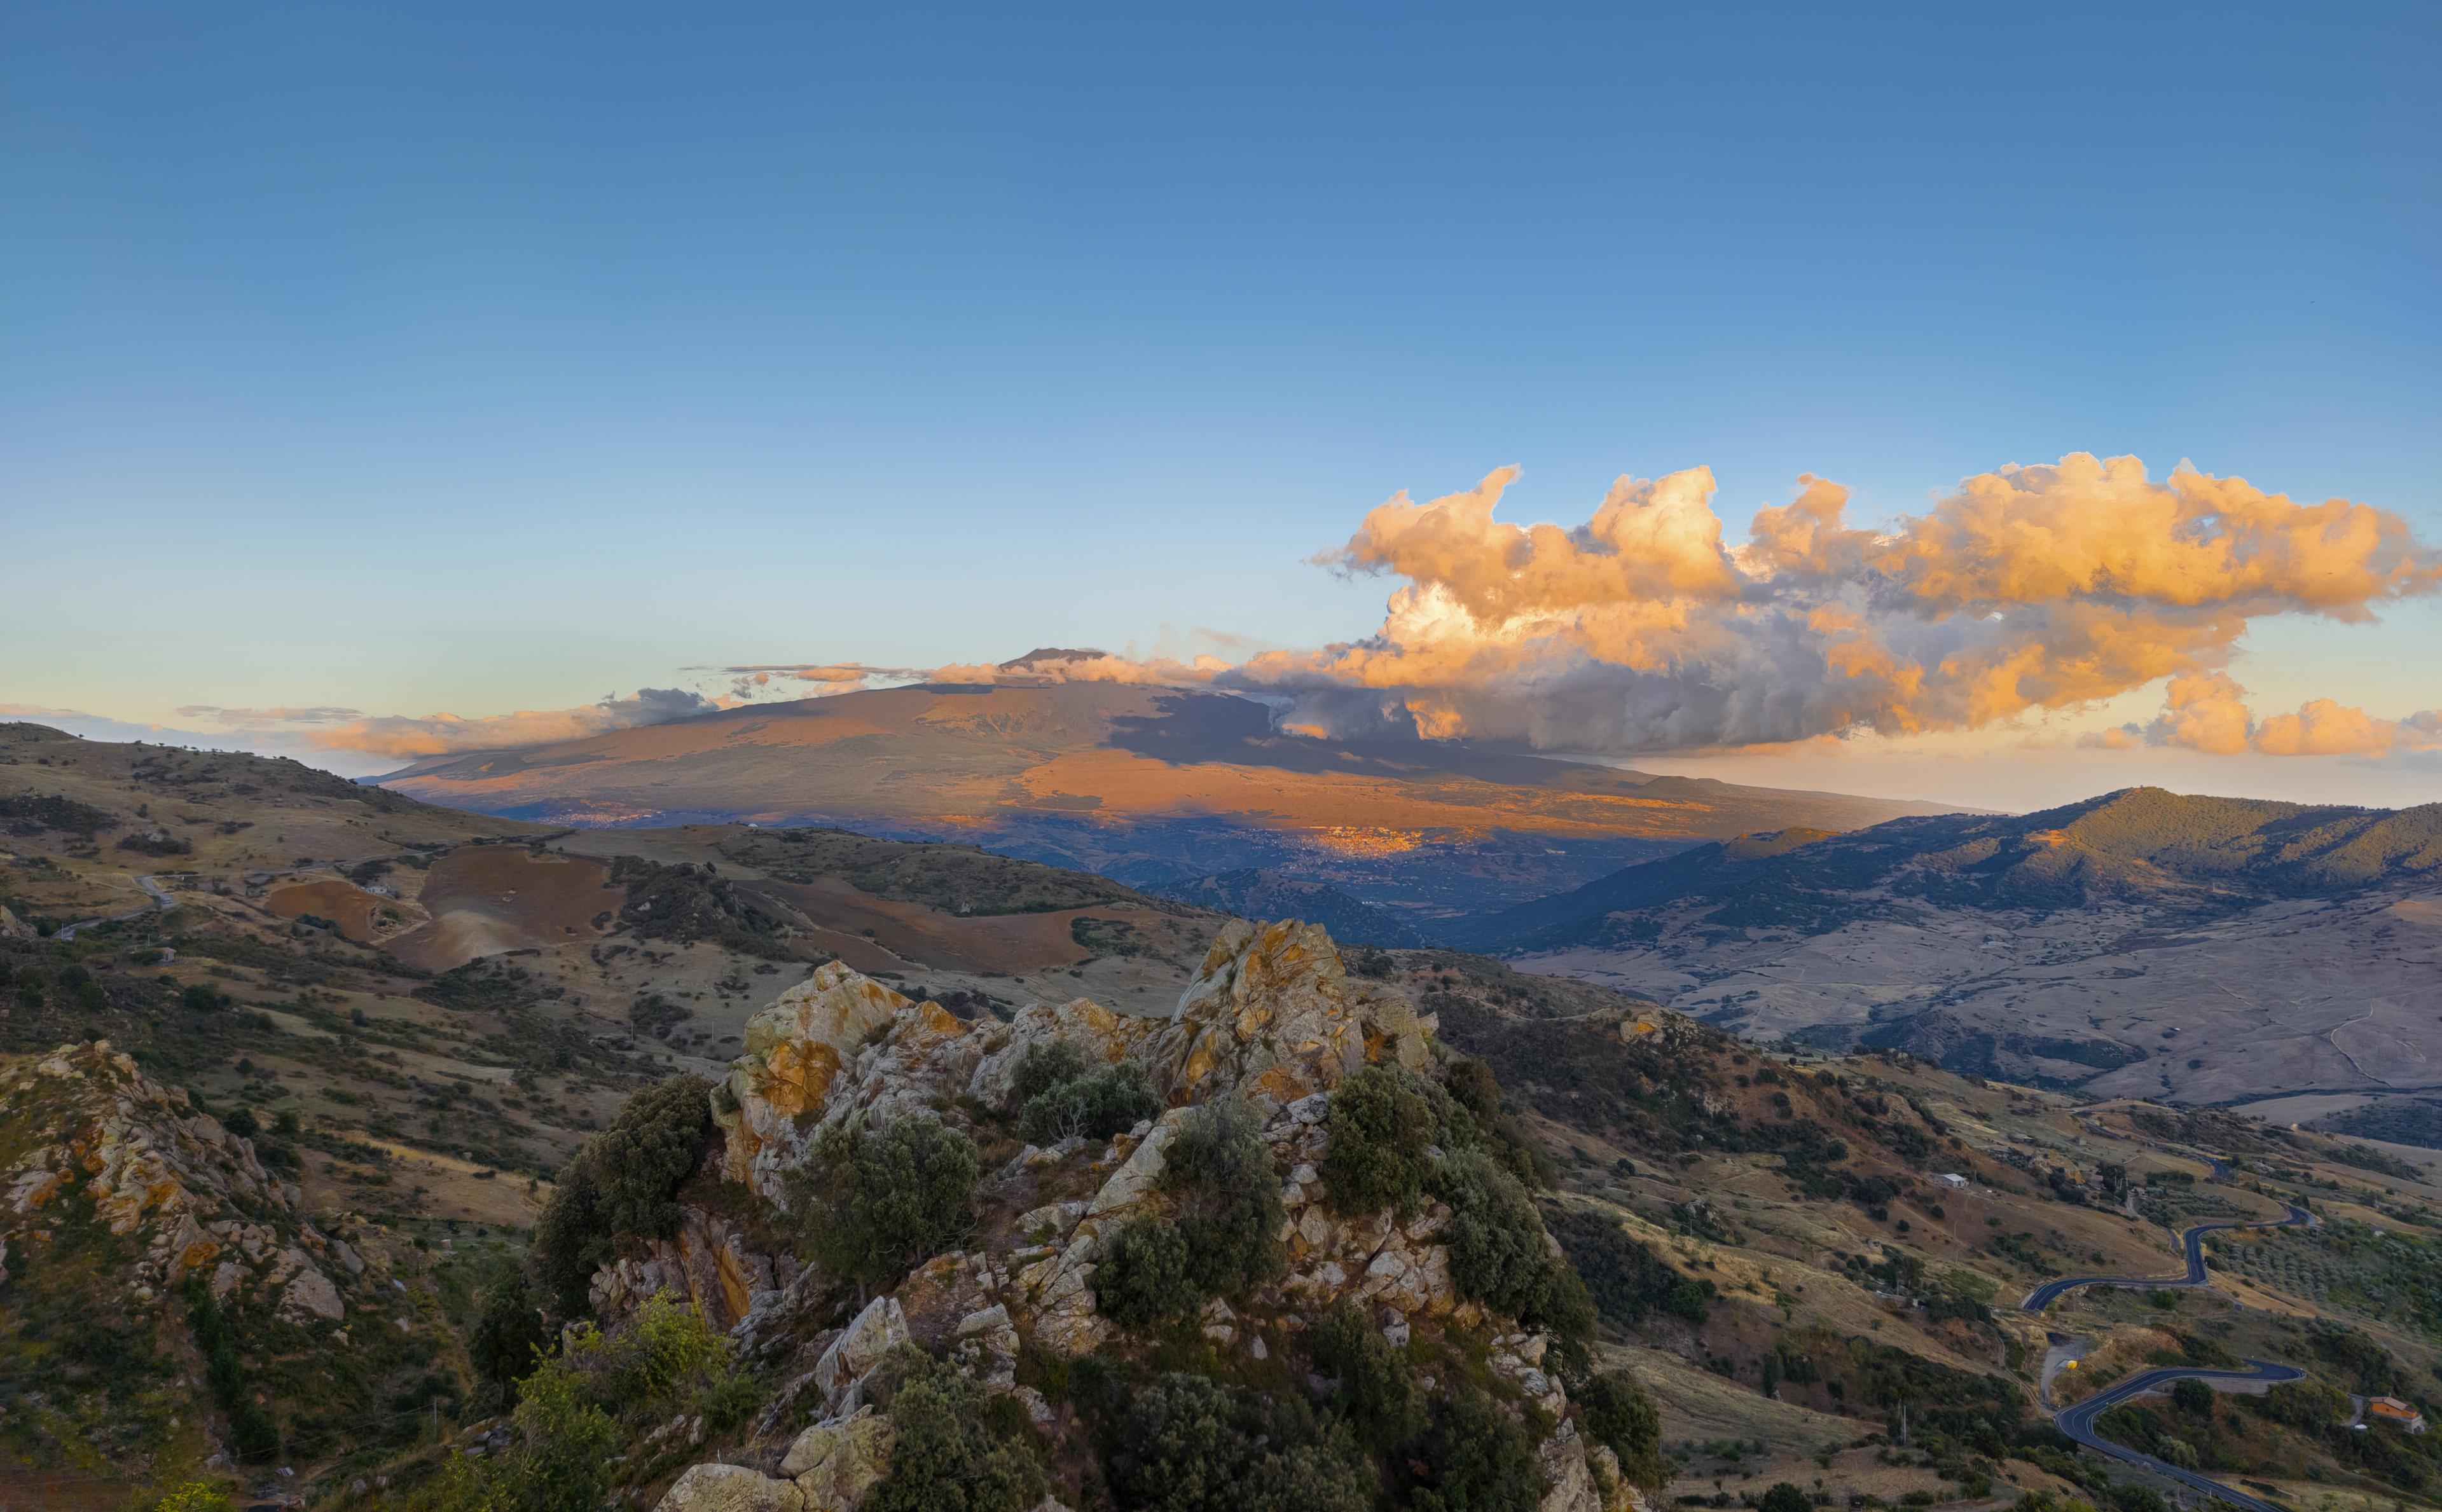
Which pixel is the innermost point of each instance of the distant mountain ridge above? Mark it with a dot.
(2141, 943)
(2139, 844)
(1153, 786)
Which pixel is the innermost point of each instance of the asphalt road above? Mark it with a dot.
(2078, 1423)
(2192, 1244)
(161, 903)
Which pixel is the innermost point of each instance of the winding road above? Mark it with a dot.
(2192, 1242)
(2077, 1421)
(159, 902)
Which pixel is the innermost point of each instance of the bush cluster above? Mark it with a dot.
(254, 1436)
(879, 1199)
(622, 1186)
(1099, 1106)
(1185, 1444)
(1223, 1239)
(1626, 1280)
(1386, 1126)
(1499, 1255)
(580, 1410)
(1379, 1394)
(949, 1456)
(1620, 1416)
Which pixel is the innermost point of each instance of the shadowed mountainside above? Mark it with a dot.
(1152, 786)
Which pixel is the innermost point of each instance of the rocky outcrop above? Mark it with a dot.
(1273, 1016)
(104, 1140)
(1270, 1018)
(835, 1041)
(731, 1488)
(707, 1261)
(879, 1329)
(836, 1462)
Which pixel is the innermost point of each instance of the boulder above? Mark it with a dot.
(836, 1462)
(879, 1329)
(1569, 1484)
(794, 1049)
(730, 1488)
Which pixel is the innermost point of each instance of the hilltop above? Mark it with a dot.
(1152, 786)
(2139, 943)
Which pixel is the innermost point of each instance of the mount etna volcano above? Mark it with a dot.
(1152, 786)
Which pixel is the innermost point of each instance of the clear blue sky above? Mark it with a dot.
(480, 357)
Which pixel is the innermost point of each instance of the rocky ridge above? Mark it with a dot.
(189, 1196)
(1270, 1018)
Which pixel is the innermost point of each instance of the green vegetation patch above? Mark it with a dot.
(955, 879)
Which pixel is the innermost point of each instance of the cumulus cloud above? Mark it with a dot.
(2027, 589)
(2210, 713)
(802, 680)
(438, 734)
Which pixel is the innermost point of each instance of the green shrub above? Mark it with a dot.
(1144, 1275)
(1785, 1497)
(1495, 1237)
(622, 1186)
(1379, 1394)
(1626, 1280)
(1109, 1102)
(1220, 1172)
(1044, 1066)
(2134, 1498)
(2192, 1395)
(253, 1437)
(1191, 1445)
(1384, 1122)
(508, 1336)
(947, 1457)
(1223, 1239)
(1566, 1313)
(1619, 1414)
(1472, 1085)
(195, 1495)
(1477, 1458)
(581, 1409)
(880, 1199)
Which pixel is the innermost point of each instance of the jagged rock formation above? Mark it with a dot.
(129, 1216)
(187, 1194)
(707, 1261)
(1272, 1018)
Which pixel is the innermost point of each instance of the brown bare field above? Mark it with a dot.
(484, 900)
(356, 911)
(1015, 943)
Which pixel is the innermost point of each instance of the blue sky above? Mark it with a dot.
(419, 357)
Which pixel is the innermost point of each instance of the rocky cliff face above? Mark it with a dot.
(1272, 1018)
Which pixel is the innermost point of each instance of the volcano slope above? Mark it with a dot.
(1152, 786)
(2143, 943)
